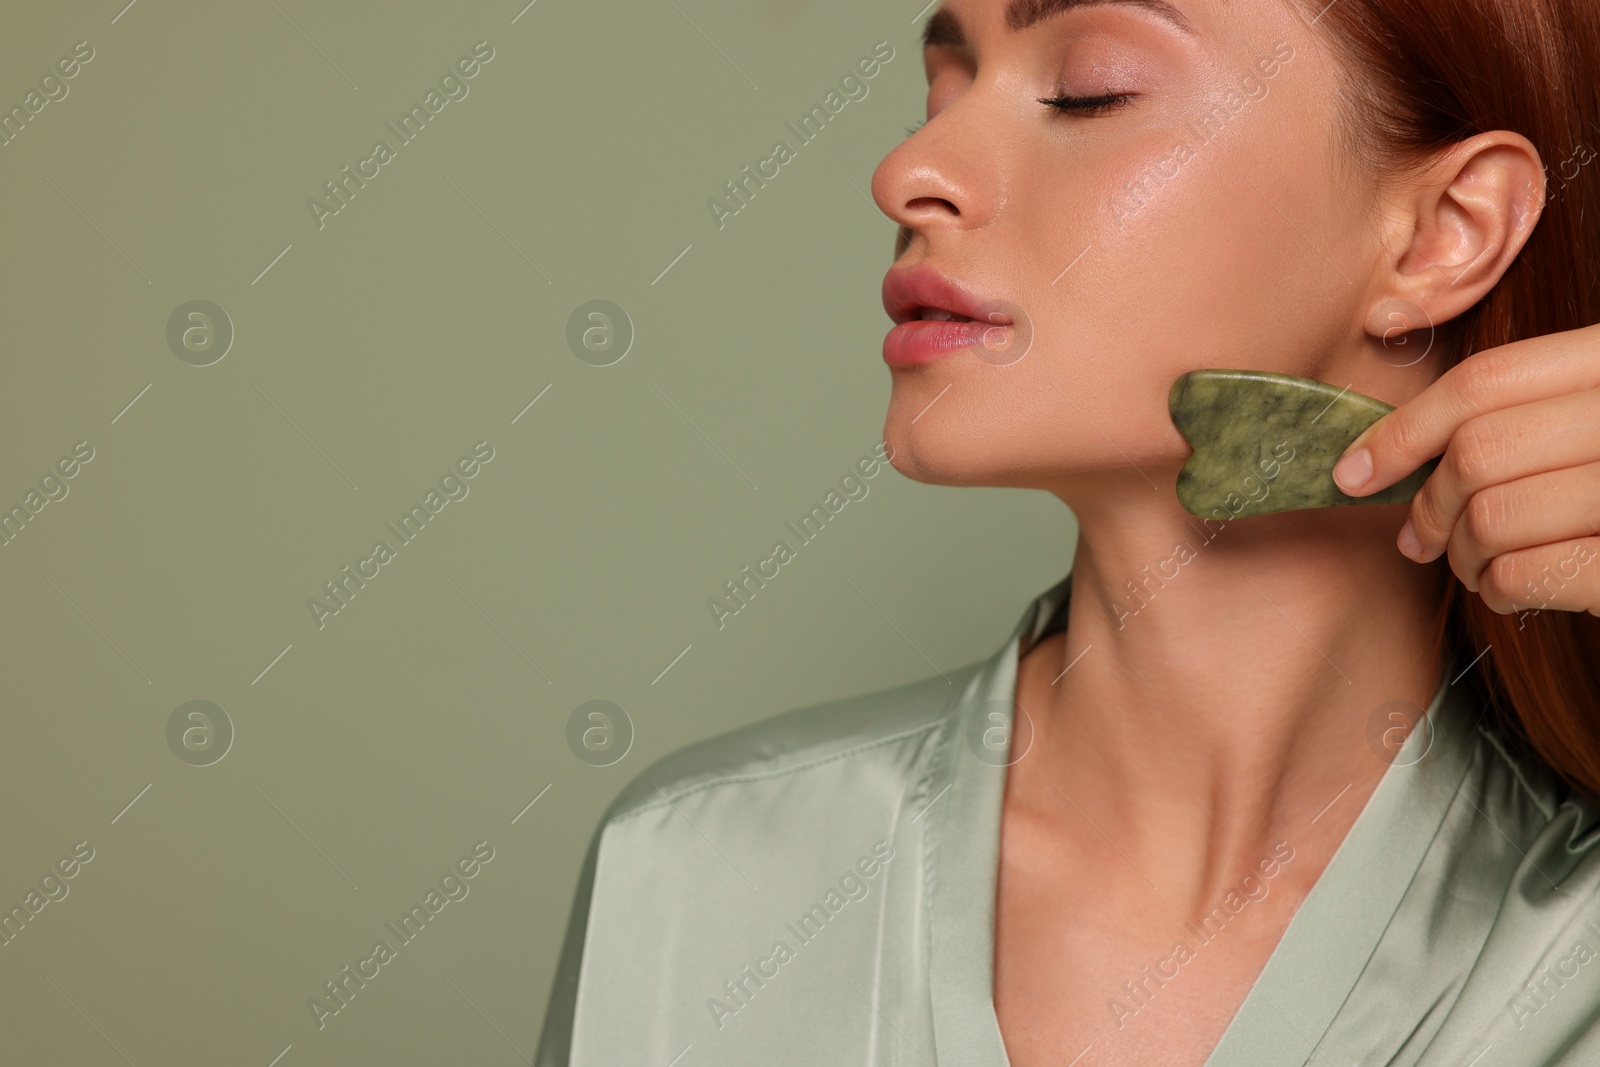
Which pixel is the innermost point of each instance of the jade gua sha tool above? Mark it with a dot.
(1265, 443)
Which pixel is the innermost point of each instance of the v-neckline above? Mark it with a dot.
(1308, 975)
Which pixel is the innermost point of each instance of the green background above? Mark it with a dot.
(371, 754)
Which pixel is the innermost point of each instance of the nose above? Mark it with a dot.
(940, 179)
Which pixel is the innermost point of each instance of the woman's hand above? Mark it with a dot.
(1515, 499)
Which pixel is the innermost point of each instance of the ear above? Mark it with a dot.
(1454, 230)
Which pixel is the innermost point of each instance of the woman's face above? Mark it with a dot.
(1185, 204)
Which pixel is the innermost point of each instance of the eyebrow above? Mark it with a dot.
(944, 28)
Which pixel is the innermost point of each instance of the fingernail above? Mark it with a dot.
(1354, 470)
(1408, 543)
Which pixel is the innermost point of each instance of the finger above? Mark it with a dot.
(1417, 430)
(1563, 577)
(1541, 509)
(1502, 446)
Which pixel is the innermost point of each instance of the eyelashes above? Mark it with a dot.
(1088, 105)
(1098, 104)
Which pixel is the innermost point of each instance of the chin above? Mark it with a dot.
(960, 453)
(1003, 441)
(935, 466)
(926, 447)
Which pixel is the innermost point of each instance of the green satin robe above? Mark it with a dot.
(818, 889)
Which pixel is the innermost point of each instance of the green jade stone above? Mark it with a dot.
(1265, 443)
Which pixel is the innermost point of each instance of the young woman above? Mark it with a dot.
(1259, 792)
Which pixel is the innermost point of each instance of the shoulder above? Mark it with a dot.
(783, 804)
(791, 743)
(1561, 824)
(1532, 886)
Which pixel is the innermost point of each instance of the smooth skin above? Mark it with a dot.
(1188, 734)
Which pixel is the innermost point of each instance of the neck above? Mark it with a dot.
(1217, 684)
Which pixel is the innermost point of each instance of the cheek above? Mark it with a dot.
(1211, 248)
(1186, 268)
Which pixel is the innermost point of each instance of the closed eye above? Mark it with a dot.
(1087, 105)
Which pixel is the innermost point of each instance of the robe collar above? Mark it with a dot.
(1308, 976)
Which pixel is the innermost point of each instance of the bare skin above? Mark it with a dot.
(1179, 740)
(1126, 824)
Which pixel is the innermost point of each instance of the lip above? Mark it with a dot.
(913, 340)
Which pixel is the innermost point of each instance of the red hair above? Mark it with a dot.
(1421, 75)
